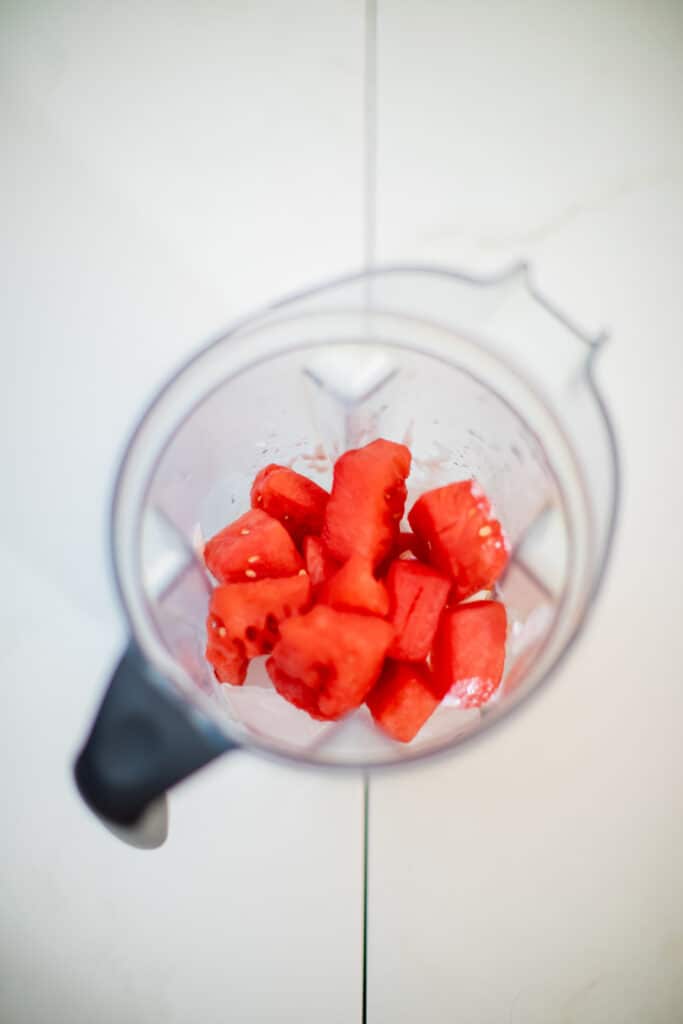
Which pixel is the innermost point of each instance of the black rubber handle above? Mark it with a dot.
(143, 741)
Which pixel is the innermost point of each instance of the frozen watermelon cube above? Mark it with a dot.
(367, 501)
(464, 538)
(327, 661)
(468, 656)
(244, 621)
(417, 595)
(254, 547)
(291, 498)
(403, 699)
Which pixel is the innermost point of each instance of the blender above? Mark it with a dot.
(481, 376)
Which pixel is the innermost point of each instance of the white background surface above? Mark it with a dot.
(167, 167)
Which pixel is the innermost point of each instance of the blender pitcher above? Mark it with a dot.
(480, 376)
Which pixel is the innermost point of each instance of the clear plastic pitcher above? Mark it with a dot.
(481, 377)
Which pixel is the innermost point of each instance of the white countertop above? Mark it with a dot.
(168, 167)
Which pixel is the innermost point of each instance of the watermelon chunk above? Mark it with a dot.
(327, 661)
(319, 563)
(468, 656)
(417, 595)
(354, 588)
(294, 500)
(402, 700)
(464, 538)
(254, 547)
(367, 501)
(244, 621)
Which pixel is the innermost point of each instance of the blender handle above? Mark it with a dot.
(142, 742)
